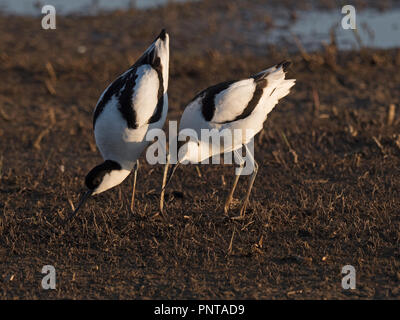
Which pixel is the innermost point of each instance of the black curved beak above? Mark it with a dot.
(84, 197)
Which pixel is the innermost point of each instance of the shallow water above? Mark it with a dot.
(33, 7)
(375, 29)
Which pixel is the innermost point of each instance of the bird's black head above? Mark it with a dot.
(99, 179)
(96, 176)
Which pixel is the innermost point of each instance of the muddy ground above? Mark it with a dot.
(326, 195)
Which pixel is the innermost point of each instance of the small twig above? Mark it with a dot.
(397, 141)
(71, 204)
(291, 150)
(316, 101)
(45, 165)
(391, 114)
(39, 138)
(50, 87)
(46, 131)
(379, 145)
(198, 171)
(50, 70)
(260, 243)
(358, 38)
(4, 115)
(231, 243)
(52, 117)
(223, 182)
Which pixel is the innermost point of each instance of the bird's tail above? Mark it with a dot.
(157, 55)
(277, 86)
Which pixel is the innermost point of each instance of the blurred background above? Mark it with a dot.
(266, 22)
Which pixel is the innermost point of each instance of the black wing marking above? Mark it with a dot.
(209, 94)
(160, 104)
(123, 89)
(125, 101)
(208, 101)
(251, 105)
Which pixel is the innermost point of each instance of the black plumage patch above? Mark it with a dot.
(258, 92)
(208, 95)
(96, 175)
(159, 108)
(260, 76)
(284, 64)
(113, 88)
(208, 101)
(162, 34)
(150, 58)
(125, 101)
(123, 88)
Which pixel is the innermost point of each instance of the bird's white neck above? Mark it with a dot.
(111, 179)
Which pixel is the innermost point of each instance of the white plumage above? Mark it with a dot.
(231, 103)
(131, 105)
(234, 105)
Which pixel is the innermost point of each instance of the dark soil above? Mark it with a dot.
(326, 195)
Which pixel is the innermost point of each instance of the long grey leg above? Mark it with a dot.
(163, 185)
(237, 176)
(134, 184)
(252, 178)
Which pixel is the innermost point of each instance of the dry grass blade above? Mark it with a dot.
(378, 143)
(38, 140)
(397, 141)
(291, 150)
(46, 131)
(316, 101)
(230, 248)
(198, 171)
(391, 114)
(4, 115)
(358, 38)
(50, 87)
(50, 70)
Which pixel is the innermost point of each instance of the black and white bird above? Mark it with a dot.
(232, 105)
(130, 106)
